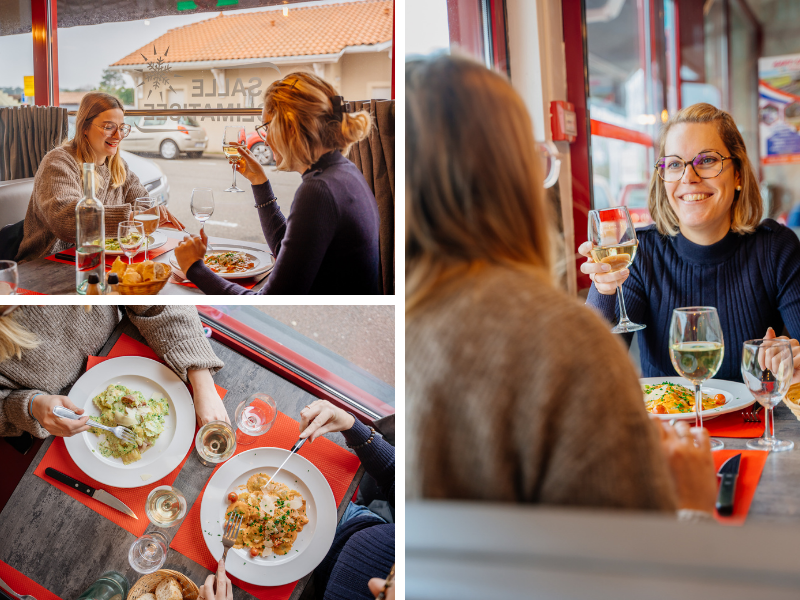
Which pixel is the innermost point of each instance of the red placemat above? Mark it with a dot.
(733, 425)
(24, 292)
(336, 464)
(24, 586)
(135, 498)
(151, 254)
(750, 468)
(248, 283)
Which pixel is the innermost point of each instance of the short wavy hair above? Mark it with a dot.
(747, 207)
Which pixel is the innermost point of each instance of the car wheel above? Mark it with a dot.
(169, 150)
(263, 154)
(194, 154)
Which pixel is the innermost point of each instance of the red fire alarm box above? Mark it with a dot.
(563, 123)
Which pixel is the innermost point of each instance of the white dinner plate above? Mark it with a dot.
(312, 543)
(148, 377)
(737, 396)
(263, 261)
(159, 238)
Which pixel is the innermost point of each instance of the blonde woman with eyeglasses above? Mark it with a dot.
(708, 247)
(58, 185)
(329, 242)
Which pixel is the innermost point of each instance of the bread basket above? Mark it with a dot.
(792, 400)
(146, 287)
(149, 582)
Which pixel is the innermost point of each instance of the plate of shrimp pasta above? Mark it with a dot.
(288, 524)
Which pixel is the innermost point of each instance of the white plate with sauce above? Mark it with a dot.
(263, 261)
(737, 396)
(149, 377)
(157, 239)
(312, 543)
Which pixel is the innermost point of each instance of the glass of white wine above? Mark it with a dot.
(696, 348)
(254, 417)
(614, 243)
(130, 235)
(233, 139)
(145, 211)
(767, 370)
(165, 506)
(215, 443)
(148, 553)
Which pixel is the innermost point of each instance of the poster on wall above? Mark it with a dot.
(779, 108)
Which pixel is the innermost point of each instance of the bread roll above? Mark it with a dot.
(169, 589)
(119, 267)
(147, 596)
(131, 276)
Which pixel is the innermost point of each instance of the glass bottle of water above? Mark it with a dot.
(90, 235)
(111, 586)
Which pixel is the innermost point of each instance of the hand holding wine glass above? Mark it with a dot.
(131, 236)
(202, 206)
(614, 243)
(696, 348)
(233, 139)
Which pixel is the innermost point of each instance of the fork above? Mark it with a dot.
(4, 585)
(122, 433)
(750, 414)
(231, 532)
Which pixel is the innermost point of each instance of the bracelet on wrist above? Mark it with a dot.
(267, 203)
(30, 404)
(367, 443)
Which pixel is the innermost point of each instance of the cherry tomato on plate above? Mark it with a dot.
(719, 399)
(232, 497)
(254, 552)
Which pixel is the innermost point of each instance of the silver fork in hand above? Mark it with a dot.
(122, 433)
(231, 532)
(13, 593)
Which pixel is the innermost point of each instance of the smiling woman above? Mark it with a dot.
(708, 246)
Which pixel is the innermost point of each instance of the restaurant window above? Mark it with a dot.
(348, 353)
(16, 52)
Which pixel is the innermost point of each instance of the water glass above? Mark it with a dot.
(215, 443)
(148, 553)
(254, 417)
(767, 370)
(8, 277)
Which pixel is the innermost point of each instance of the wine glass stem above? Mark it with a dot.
(698, 404)
(769, 423)
(234, 174)
(623, 314)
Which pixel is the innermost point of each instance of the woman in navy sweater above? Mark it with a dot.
(708, 247)
(329, 243)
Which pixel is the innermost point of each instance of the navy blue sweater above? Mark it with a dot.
(753, 280)
(329, 243)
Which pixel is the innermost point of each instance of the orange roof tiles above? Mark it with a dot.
(268, 34)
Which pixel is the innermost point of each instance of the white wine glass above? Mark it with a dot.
(9, 277)
(614, 243)
(202, 206)
(254, 417)
(215, 443)
(166, 506)
(131, 236)
(767, 370)
(232, 140)
(145, 211)
(696, 348)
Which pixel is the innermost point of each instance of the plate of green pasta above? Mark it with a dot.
(148, 398)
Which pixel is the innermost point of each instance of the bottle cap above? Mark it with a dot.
(94, 279)
(113, 279)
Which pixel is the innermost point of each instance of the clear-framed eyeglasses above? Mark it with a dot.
(262, 131)
(706, 165)
(111, 128)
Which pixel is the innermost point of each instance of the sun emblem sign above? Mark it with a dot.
(157, 73)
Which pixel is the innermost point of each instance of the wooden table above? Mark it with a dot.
(51, 277)
(65, 546)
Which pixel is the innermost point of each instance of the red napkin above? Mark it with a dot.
(151, 254)
(24, 586)
(732, 425)
(336, 464)
(248, 283)
(135, 498)
(750, 468)
(24, 292)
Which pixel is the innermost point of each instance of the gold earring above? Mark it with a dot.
(738, 188)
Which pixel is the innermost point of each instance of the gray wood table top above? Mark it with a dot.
(65, 546)
(51, 277)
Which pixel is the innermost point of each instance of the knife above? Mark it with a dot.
(99, 495)
(294, 449)
(728, 473)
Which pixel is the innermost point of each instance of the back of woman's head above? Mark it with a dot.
(305, 122)
(474, 194)
(92, 104)
(14, 338)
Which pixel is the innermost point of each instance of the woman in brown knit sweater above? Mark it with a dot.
(43, 349)
(57, 187)
(508, 378)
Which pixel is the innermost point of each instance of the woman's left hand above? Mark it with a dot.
(770, 335)
(190, 250)
(208, 405)
(167, 219)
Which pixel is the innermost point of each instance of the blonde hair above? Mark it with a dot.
(747, 206)
(304, 125)
(474, 194)
(92, 105)
(14, 338)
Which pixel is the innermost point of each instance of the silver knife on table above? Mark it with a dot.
(99, 495)
(728, 473)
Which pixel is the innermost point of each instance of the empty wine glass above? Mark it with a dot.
(696, 349)
(233, 139)
(148, 553)
(8, 277)
(614, 243)
(130, 235)
(202, 206)
(767, 370)
(254, 417)
(145, 210)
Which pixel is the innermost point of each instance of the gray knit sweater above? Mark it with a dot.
(516, 393)
(57, 188)
(68, 335)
